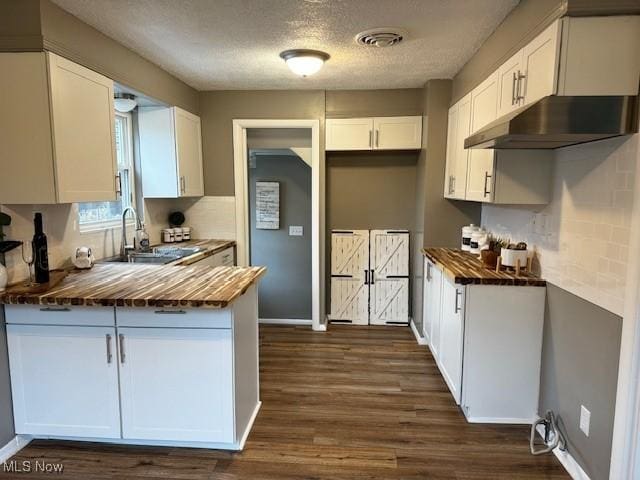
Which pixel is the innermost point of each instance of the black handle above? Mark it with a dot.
(371, 277)
(366, 277)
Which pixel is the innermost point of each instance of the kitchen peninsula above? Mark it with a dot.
(138, 354)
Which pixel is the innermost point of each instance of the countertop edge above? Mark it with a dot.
(507, 280)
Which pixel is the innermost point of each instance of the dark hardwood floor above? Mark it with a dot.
(352, 403)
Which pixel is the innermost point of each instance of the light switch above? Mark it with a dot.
(585, 420)
(295, 230)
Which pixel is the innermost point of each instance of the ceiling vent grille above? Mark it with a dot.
(381, 37)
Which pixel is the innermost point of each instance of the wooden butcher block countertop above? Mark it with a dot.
(465, 268)
(135, 285)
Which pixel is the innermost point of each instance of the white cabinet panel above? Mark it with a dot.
(484, 103)
(65, 152)
(450, 167)
(64, 380)
(480, 175)
(84, 132)
(349, 274)
(463, 130)
(432, 302)
(79, 316)
(176, 384)
(452, 336)
(170, 153)
(540, 60)
(349, 134)
(397, 133)
(189, 151)
(224, 258)
(510, 78)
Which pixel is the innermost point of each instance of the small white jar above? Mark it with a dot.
(167, 235)
(177, 234)
(186, 234)
(467, 231)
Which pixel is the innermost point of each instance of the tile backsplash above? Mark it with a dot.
(581, 238)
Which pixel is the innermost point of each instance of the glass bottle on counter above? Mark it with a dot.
(40, 251)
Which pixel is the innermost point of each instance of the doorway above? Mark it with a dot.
(264, 143)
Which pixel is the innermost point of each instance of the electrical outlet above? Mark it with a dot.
(296, 231)
(585, 420)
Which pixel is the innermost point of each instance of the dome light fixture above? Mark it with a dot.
(304, 62)
(125, 102)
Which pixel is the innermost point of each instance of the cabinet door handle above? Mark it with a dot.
(118, 185)
(109, 354)
(514, 88)
(377, 138)
(170, 312)
(183, 187)
(519, 95)
(486, 182)
(122, 354)
(366, 277)
(370, 138)
(54, 309)
(428, 272)
(457, 305)
(372, 277)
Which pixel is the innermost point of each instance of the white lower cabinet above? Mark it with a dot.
(487, 343)
(451, 336)
(165, 376)
(64, 380)
(176, 384)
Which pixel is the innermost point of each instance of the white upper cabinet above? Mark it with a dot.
(170, 153)
(349, 134)
(459, 126)
(510, 76)
(540, 65)
(379, 133)
(397, 133)
(57, 131)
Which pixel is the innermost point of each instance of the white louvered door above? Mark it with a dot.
(389, 277)
(349, 277)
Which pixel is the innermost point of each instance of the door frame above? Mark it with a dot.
(241, 177)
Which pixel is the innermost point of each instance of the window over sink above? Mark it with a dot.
(101, 215)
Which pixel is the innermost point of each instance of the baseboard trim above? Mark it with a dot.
(14, 446)
(247, 430)
(285, 321)
(421, 340)
(569, 463)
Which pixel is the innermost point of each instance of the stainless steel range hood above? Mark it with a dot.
(560, 121)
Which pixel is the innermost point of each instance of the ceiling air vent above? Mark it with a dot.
(381, 37)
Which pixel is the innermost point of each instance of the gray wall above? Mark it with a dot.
(6, 413)
(288, 259)
(580, 354)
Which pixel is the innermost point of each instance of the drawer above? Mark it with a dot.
(59, 315)
(225, 257)
(173, 317)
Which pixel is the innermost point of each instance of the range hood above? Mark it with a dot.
(560, 121)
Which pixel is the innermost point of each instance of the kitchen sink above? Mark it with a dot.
(159, 256)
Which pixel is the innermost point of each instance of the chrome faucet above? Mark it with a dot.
(124, 248)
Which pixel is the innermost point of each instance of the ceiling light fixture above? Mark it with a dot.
(125, 102)
(304, 62)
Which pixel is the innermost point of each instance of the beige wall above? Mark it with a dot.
(525, 21)
(371, 103)
(368, 191)
(31, 25)
(219, 108)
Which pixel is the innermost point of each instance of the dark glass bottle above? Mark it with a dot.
(40, 254)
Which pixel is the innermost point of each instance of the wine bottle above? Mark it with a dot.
(40, 254)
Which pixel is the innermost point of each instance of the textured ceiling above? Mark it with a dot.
(234, 44)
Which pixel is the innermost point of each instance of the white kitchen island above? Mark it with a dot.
(181, 369)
